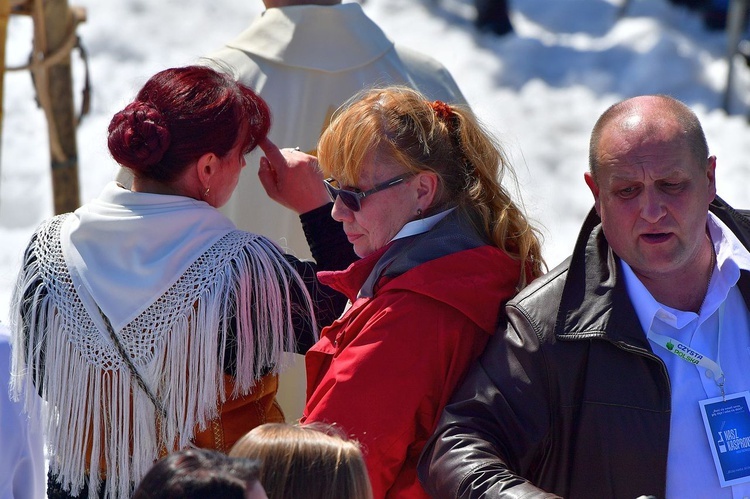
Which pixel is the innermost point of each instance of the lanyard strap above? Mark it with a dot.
(688, 354)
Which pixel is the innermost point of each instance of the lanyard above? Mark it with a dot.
(693, 356)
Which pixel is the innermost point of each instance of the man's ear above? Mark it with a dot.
(711, 176)
(206, 166)
(594, 187)
(427, 184)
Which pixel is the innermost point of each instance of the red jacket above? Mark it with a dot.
(384, 371)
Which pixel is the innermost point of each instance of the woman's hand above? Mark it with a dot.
(292, 178)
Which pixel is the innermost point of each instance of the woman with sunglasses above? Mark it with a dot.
(442, 246)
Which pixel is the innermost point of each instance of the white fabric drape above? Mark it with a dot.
(306, 61)
(191, 272)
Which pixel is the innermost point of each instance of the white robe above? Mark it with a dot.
(22, 468)
(306, 61)
(168, 272)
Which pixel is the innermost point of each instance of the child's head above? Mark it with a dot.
(309, 461)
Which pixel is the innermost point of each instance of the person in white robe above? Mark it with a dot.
(306, 58)
(22, 467)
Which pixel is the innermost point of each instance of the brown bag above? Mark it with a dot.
(240, 415)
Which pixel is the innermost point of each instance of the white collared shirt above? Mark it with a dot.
(421, 225)
(690, 467)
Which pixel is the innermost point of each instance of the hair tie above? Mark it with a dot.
(445, 113)
(442, 110)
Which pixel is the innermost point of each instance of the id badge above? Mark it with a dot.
(727, 425)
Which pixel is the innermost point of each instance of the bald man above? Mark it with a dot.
(624, 371)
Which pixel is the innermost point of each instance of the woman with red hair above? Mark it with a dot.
(145, 319)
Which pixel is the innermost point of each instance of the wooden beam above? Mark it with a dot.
(53, 25)
(20, 6)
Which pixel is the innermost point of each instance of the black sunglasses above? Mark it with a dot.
(353, 199)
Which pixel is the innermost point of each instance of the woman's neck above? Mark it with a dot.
(154, 187)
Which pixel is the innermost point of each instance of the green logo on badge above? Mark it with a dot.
(670, 346)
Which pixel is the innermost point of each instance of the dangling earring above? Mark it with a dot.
(419, 212)
(205, 194)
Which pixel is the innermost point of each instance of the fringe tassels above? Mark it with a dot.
(94, 413)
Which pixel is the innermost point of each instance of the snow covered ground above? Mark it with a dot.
(540, 90)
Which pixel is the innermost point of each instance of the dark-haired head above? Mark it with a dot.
(199, 473)
(181, 114)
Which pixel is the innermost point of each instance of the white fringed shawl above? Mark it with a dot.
(177, 341)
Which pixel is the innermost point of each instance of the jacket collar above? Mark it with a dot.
(349, 281)
(595, 302)
(434, 264)
(479, 289)
(453, 233)
(322, 38)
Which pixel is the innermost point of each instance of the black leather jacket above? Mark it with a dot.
(569, 397)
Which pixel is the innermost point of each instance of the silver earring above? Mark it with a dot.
(205, 194)
(419, 212)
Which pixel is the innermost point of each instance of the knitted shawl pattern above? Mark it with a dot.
(94, 411)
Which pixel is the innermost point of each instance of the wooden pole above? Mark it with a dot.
(55, 91)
